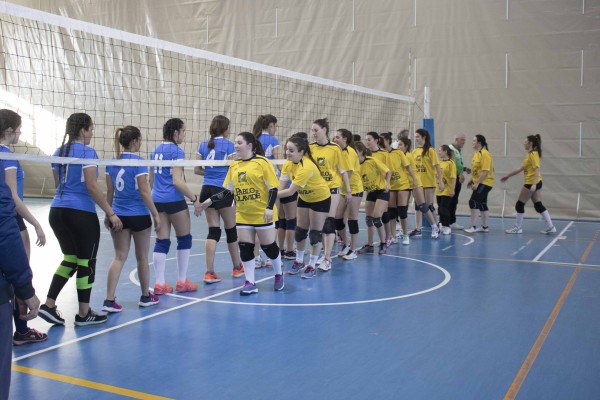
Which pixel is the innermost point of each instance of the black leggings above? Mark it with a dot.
(78, 234)
(444, 210)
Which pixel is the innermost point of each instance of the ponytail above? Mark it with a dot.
(481, 140)
(124, 137)
(218, 127)
(427, 140)
(536, 143)
(301, 144)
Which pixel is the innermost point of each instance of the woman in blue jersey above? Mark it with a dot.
(129, 193)
(168, 193)
(214, 149)
(10, 131)
(74, 221)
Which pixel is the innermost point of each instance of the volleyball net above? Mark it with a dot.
(52, 66)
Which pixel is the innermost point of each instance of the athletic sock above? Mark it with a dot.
(300, 256)
(249, 270)
(313, 260)
(159, 260)
(520, 217)
(183, 260)
(547, 218)
(277, 264)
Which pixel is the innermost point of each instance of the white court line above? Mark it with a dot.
(571, 264)
(522, 247)
(471, 240)
(446, 248)
(559, 236)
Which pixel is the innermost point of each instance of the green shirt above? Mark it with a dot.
(458, 160)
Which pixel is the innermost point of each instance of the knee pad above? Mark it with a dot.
(339, 224)
(473, 205)
(329, 226)
(483, 207)
(385, 218)
(432, 208)
(301, 234)
(162, 246)
(185, 242)
(377, 222)
(86, 272)
(315, 237)
(214, 233)
(271, 250)
(403, 212)
(423, 208)
(353, 226)
(392, 213)
(369, 221)
(281, 223)
(520, 207)
(246, 251)
(231, 234)
(290, 224)
(539, 207)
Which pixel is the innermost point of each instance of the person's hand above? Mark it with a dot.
(115, 223)
(504, 179)
(268, 215)
(107, 222)
(533, 188)
(28, 309)
(156, 219)
(461, 178)
(442, 187)
(41, 236)
(470, 185)
(348, 198)
(387, 187)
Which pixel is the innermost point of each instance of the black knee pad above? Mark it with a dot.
(271, 250)
(231, 234)
(520, 207)
(329, 226)
(86, 272)
(339, 224)
(385, 218)
(423, 208)
(403, 212)
(300, 234)
(483, 207)
(315, 237)
(392, 213)
(432, 208)
(290, 224)
(539, 207)
(246, 251)
(473, 205)
(353, 226)
(369, 221)
(281, 223)
(377, 222)
(214, 233)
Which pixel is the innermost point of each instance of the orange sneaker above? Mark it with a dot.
(209, 277)
(238, 272)
(186, 286)
(162, 289)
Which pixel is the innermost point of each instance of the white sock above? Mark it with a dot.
(277, 264)
(313, 260)
(547, 218)
(300, 255)
(183, 259)
(249, 270)
(159, 260)
(520, 217)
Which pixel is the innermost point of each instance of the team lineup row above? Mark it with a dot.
(316, 192)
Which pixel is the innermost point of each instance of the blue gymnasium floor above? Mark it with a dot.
(482, 316)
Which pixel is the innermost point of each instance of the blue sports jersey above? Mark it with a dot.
(269, 143)
(14, 164)
(71, 191)
(223, 148)
(7, 206)
(163, 190)
(127, 200)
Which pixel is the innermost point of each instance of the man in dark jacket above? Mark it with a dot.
(15, 281)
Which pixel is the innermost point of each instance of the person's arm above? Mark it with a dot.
(199, 170)
(346, 180)
(144, 189)
(288, 192)
(414, 176)
(183, 188)
(513, 173)
(438, 171)
(93, 188)
(453, 185)
(21, 208)
(536, 176)
(388, 177)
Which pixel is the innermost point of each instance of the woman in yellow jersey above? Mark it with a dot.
(444, 197)
(482, 181)
(344, 139)
(395, 159)
(533, 184)
(372, 143)
(254, 184)
(413, 183)
(314, 202)
(333, 167)
(428, 169)
(376, 181)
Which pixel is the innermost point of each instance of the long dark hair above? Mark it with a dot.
(427, 140)
(346, 134)
(383, 137)
(262, 123)
(302, 145)
(448, 151)
(169, 128)
(218, 127)
(536, 143)
(407, 142)
(9, 120)
(256, 146)
(324, 124)
(481, 140)
(75, 123)
(124, 136)
(360, 146)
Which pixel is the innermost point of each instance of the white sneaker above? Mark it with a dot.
(514, 229)
(471, 229)
(320, 260)
(446, 230)
(405, 240)
(344, 251)
(457, 226)
(435, 232)
(350, 256)
(549, 230)
(483, 229)
(325, 265)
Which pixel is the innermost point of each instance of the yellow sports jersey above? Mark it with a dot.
(531, 162)
(380, 155)
(250, 181)
(373, 173)
(355, 180)
(331, 163)
(448, 174)
(482, 161)
(426, 166)
(396, 162)
(306, 176)
(409, 184)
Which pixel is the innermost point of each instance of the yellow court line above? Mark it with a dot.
(514, 388)
(85, 383)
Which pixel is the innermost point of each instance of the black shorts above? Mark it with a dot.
(319, 206)
(334, 191)
(378, 195)
(289, 199)
(172, 207)
(21, 223)
(209, 191)
(136, 223)
(538, 186)
(360, 194)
